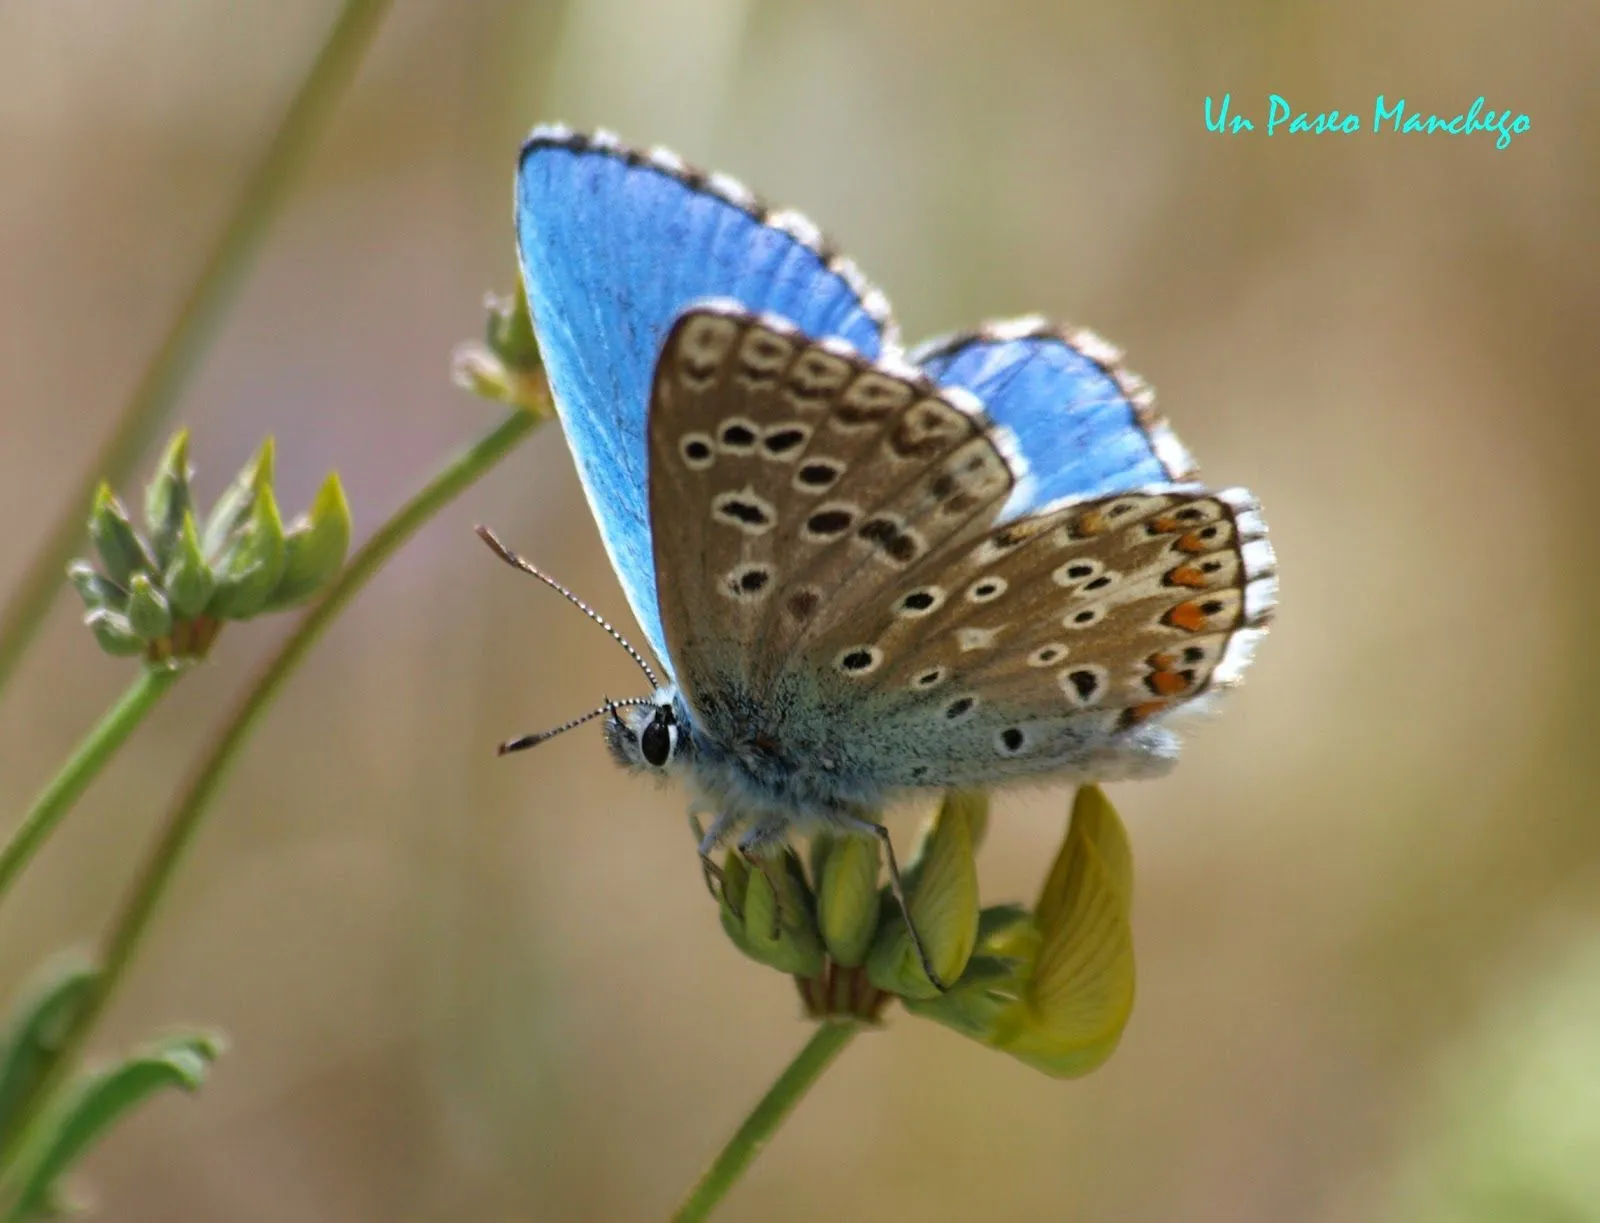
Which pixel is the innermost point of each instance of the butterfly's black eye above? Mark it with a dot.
(656, 742)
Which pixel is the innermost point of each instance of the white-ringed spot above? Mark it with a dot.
(762, 357)
(1012, 741)
(702, 346)
(818, 473)
(1083, 617)
(829, 521)
(962, 707)
(919, 602)
(815, 378)
(1075, 571)
(986, 589)
(697, 450)
(927, 429)
(925, 681)
(1047, 655)
(748, 583)
(1082, 685)
(737, 435)
(752, 514)
(858, 660)
(868, 401)
(782, 443)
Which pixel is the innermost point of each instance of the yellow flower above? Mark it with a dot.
(1079, 987)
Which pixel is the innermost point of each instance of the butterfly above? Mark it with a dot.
(866, 571)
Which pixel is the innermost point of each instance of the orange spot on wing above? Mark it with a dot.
(1090, 522)
(1162, 662)
(1187, 575)
(1135, 714)
(1168, 683)
(1163, 524)
(1190, 541)
(1186, 616)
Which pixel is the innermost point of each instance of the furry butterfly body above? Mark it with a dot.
(865, 572)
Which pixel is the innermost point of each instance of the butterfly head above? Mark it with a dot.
(649, 736)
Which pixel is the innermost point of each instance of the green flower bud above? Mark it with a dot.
(188, 579)
(776, 924)
(974, 1005)
(114, 633)
(731, 894)
(121, 551)
(1007, 932)
(506, 367)
(474, 368)
(251, 566)
(148, 613)
(944, 907)
(509, 331)
(314, 547)
(818, 849)
(167, 500)
(848, 901)
(234, 508)
(94, 589)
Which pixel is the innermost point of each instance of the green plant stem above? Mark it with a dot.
(208, 298)
(133, 919)
(826, 1043)
(74, 777)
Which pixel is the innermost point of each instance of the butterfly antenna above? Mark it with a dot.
(527, 741)
(516, 562)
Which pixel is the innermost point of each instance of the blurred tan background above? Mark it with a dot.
(467, 989)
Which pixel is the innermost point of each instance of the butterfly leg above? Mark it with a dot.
(864, 827)
(708, 843)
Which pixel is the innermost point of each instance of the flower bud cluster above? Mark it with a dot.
(164, 591)
(1052, 986)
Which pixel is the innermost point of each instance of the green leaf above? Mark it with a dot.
(188, 580)
(314, 547)
(234, 508)
(95, 589)
(148, 613)
(114, 633)
(252, 565)
(121, 551)
(98, 1099)
(167, 500)
(35, 1033)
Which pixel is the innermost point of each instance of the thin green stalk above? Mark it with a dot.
(74, 777)
(133, 920)
(212, 292)
(826, 1043)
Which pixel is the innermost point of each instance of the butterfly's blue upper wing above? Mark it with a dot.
(614, 244)
(1086, 426)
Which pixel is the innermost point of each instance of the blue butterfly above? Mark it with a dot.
(866, 572)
